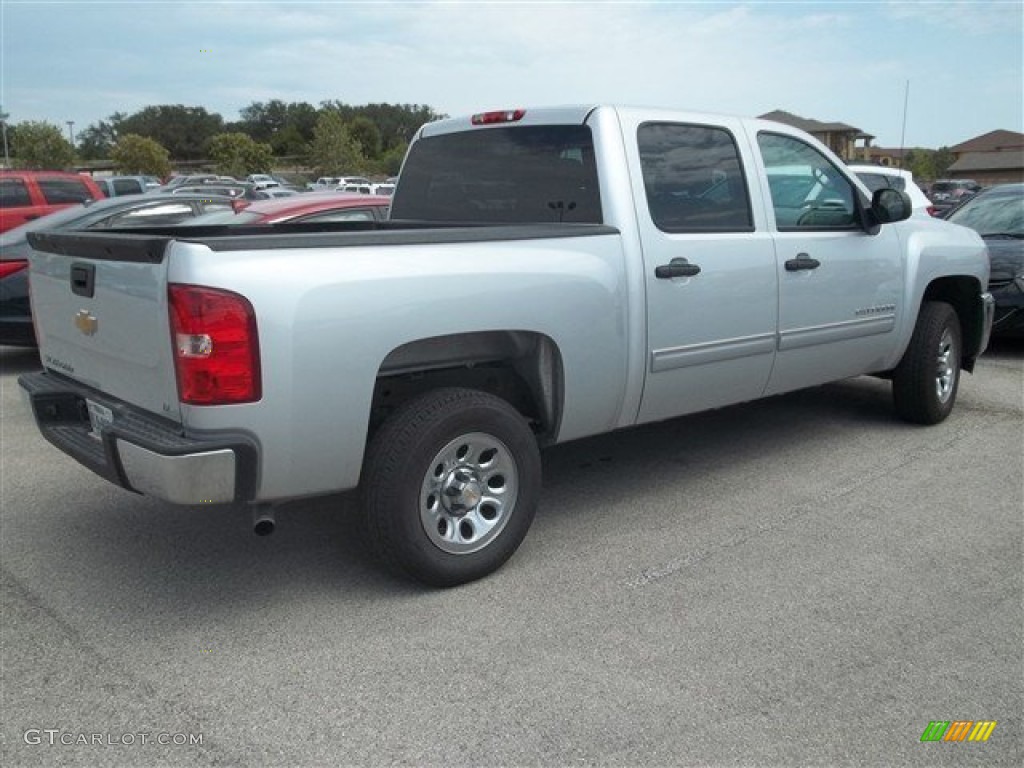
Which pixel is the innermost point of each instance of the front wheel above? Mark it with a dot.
(925, 383)
(450, 486)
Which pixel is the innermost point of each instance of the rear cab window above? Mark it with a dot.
(522, 174)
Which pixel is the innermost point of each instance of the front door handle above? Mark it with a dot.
(676, 268)
(802, 261)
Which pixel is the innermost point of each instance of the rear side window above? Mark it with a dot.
(693, 178)
(525, 174)
(14, 194)
(64, 191)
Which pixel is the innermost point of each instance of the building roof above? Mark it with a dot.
(813, 126)
(1008, 160)
(993, 141)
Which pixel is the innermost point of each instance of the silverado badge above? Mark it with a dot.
(86, 322)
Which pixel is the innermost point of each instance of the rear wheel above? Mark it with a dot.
(925, 383)
(450, 486)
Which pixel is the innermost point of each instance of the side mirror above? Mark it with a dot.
(889, 205)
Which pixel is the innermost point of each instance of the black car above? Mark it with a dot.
(118, 212)
(997, 214)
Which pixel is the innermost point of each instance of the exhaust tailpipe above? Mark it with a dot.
(263, 520)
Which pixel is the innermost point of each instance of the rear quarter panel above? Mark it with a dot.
(328, 317)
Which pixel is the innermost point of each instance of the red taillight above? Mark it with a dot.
(216, 347)
(10, 267)
(490, 118)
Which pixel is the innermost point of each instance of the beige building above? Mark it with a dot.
(839, 137)
(996, 157)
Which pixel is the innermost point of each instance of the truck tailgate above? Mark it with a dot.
(100, 306)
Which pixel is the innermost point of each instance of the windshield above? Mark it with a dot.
(993, 214)
(528, 174)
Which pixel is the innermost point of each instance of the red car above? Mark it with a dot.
(326, 206)
(27, 195)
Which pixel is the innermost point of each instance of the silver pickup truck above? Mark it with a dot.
(546, 275)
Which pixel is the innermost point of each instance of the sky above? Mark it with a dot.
(958, 66)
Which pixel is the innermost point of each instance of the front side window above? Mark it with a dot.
(524, 174)
(64, 191)
(808, 191)
(693, 179)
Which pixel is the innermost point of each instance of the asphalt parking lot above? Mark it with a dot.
(803, 580)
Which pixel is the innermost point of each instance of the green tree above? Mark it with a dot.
(96, 141)
(40, 145)
(289, 141)
(184, 131)
(138, 154)
(334, 151)
(286, 127)
(391, 161)
(364, 131)
(236, 154)
(396, 122)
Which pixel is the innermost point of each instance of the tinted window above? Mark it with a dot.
(520, 175)
(63, 191)
(13, 192)
(127, 187)
(808, 192)
(693, 178)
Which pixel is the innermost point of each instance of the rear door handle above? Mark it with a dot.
(676, 268)
(802, 261)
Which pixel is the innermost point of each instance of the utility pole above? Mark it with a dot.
(3, 126)
(71, 132)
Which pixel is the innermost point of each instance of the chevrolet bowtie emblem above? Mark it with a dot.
(86, 322)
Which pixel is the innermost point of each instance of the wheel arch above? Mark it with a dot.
(523, 367)
(962, 292)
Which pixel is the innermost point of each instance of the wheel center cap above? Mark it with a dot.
(461, 491)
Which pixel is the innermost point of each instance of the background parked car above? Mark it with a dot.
(997, 214)
(877, 177)
(945, 193)
(118, 212)
(197, 178)
(114, 186)
(27, 195)
(327, 206)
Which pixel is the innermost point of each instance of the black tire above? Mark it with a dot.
(418, 494)
(925, 383)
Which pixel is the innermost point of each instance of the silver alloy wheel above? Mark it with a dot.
(468, 493)
(945, 376)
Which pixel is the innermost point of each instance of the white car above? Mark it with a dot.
(879, 176)
(262, 180)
